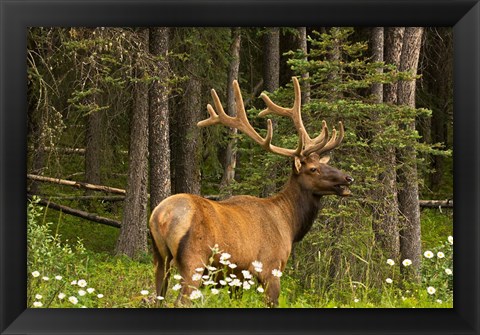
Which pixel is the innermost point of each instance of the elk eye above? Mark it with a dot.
(313, 169)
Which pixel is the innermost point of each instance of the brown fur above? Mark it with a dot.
(185, 227)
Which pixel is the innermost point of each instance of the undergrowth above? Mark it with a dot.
(63, 273)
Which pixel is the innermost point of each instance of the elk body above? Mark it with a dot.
(185, 227)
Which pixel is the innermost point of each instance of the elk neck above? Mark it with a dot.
(300, 204)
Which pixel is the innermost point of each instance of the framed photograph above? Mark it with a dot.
(117, 68)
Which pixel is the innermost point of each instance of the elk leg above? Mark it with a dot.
(272, 290)
(187, 270)
(162, 270)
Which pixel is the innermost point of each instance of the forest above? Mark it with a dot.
(112, 132)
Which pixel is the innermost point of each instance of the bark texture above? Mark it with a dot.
(186, 135)
(132, 240)
(385, 222)
(159, 124)
(231, 150)
(271, 81)
(410, 234)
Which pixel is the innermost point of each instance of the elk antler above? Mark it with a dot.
(306, 145)
(241, 122)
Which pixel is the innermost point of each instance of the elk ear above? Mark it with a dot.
(298, 164)
(324, 159)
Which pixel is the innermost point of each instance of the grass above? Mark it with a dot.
(123, 283)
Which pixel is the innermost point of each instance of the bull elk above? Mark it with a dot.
(185, 227)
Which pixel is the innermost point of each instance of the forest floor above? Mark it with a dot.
(83, 272)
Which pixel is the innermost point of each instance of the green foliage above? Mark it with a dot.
(47, 255)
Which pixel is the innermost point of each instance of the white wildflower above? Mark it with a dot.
(232, 265)
(260, 289)
(224, 256)
(35, 274)
(73, 300)
(211, 268)
(431, 290)
(160, 297)
(209, 282)
(258, 266)
(37, 304)
(390, 262)
(448, 272)
(428, 254)
(223, 282)
(199, 269)
(58, 277)
(440, 254)
(45, 278)
(81, 293)
(82, 283)
(277, 273)
(177, 277)
(90, 290)
(195, 295)
(144, 292)
(233, 275)
(61, 295)
(407, 262)
(214, 291)
(356, 300)
(38, 296)
(177, 287)
(196, 277)
(99, 296)
(439, 301)
(235, 282)
(450, 239)
(246, 274)
(246, 285)
(389, 280)
(74, 282)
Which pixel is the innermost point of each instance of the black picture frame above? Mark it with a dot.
(16, 16)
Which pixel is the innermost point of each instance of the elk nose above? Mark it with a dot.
(349, 179)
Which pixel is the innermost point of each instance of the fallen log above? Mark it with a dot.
(76, 212)
(111, 198)
(78, 184)
(436, 203)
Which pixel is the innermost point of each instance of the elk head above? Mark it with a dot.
(310, 169)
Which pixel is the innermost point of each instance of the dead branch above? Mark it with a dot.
(77, 184)
(76, 212)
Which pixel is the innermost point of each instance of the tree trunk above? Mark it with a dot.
(271, 77)
(93, 145)
(187, 138)
(302, 45)
(437, 74)
(159, 124)
(410, 234)
(393, 50)
(377, 45)
(385, 220)
(133, 233)
(231, 151)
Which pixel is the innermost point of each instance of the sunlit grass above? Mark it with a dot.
(64, 273)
